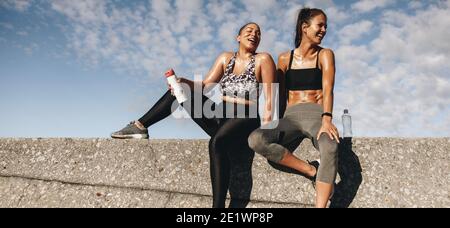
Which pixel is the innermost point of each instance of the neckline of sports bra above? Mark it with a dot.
(231, 73)
(306, 69)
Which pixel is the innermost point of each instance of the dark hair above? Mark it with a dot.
(304, 16)
(250, 23)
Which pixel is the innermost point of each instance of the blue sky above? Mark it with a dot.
(86, 68)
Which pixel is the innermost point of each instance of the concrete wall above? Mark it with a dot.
(373, 172)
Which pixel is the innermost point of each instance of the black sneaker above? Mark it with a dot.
(131, 131)
(315, 164)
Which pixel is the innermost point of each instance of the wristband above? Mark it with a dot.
(327, 114)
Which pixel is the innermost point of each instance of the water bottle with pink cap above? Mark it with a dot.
(176, 86)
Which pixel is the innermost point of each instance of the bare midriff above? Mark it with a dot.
(305, 96)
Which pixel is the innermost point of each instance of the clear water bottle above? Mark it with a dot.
(177, 89)
(347, 123)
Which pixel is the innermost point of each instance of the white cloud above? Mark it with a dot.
(22, 33)
(355, 31)
(19, 5)
(29, 49)
(6, 25)
(102, 31)
(269, 40)
(401, 72)
(160, 9)
(365, 6)
(185, 12)
(259, 7)
(320, 3)
(226, 31)
(219, 10)
(184, 45)
(354, 65)
(336, 15)
(84, 11)
(415, 4)
(419, 39)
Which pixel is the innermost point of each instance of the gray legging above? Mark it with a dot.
(300, 121)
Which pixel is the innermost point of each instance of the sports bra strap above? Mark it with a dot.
(230, 64)
(292, 58)
(290, 61)
(317, 61)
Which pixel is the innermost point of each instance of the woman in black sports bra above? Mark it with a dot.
(306, 77)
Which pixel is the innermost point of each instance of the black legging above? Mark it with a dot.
(228, 136)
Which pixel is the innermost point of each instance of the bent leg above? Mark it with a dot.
(278, 145)
(328, 159)
(273, 143)
(327, 172)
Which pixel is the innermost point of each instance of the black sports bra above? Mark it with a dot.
(304, 79)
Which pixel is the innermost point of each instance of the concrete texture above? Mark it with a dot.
(373, 172)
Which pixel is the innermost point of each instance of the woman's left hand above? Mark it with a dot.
(329, 128)
(267, 118)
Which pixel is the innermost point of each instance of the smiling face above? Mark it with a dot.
(249, 37)
(316, 30)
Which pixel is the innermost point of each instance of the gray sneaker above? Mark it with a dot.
(131, 131)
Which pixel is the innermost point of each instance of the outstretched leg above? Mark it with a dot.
(161, 110)
(164, 108)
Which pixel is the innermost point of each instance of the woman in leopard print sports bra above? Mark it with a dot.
(238, 75)
(245, 85)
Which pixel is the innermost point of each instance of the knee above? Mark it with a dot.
(328, 159)
(257, 141)
(328, 147)
(261, 142)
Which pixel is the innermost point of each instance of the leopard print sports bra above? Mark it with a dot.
(244, 85)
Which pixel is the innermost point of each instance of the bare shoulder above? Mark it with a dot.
(264, 57)
(326, 53)
(283, 59)
(224, 57)
(284, 56)
(326, 58)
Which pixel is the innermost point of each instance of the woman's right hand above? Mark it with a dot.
(179, 80)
